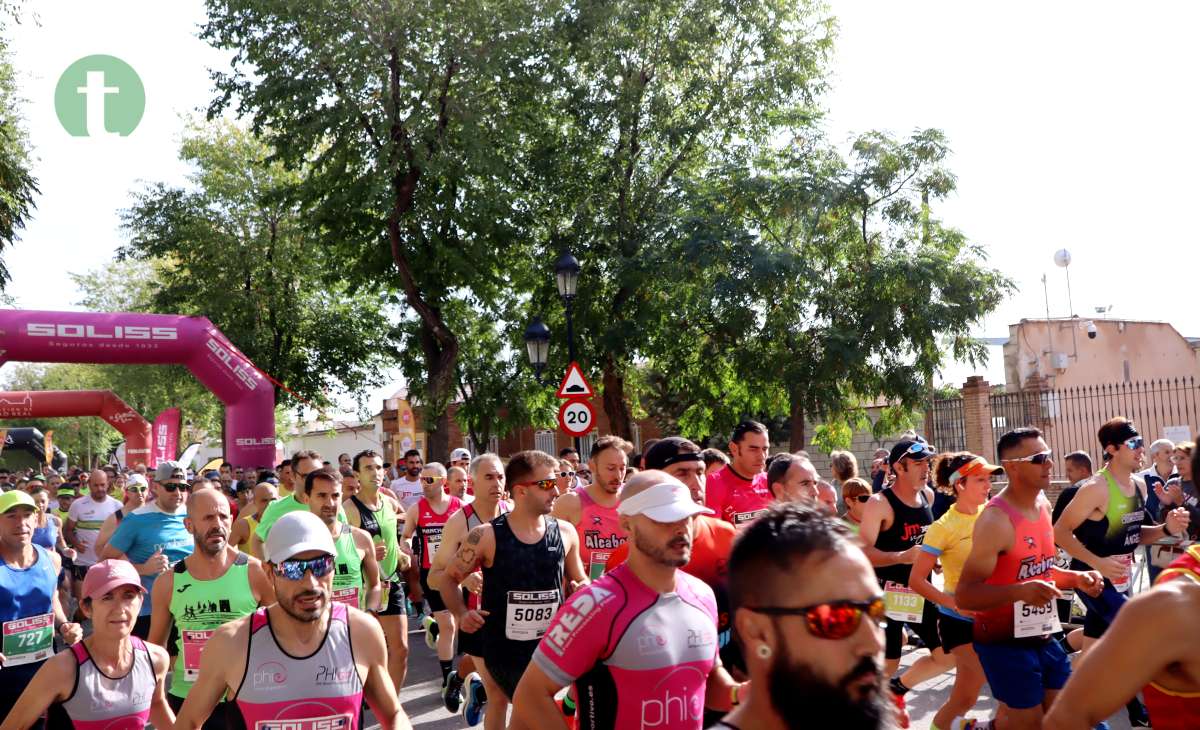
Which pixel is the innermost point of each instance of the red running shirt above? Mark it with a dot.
(1031, 557)
(1170, 710)
(430, 525)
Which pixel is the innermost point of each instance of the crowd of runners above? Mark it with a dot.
(678, 587)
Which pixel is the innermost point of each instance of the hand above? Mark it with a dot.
(1178, 520)
(1, 660)
(474, 583)
(380, 551)
(575, 585)
(472, 621)
(406, 548)
(1038, 592)
(1169, 494)
(1090, 582)
(69, 553)
(910, 555)
(155, 564)
(71, 632)
(744, 693)
(1112, 568)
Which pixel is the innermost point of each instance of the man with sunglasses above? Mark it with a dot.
(305, 661)
(135, 496)
(525, 556)
(893, 525)
(1010, 583)
(640, 643)
(153, 537)
(426, 519)
(814, 647)
(593, 509)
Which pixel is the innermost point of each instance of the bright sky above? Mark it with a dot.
(1068, 122)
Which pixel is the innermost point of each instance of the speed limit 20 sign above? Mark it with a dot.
(576, 417)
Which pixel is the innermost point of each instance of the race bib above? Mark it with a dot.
(331, 722)
(597, 561)
(529, 614)
(193, 646)
(1161, 556)
(1029, 620)
(348, 596)
(434, 542)
(903, 603)
(28, 640)
(1122, 584)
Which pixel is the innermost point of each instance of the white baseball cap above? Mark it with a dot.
(667, 501)
(460, 454)
(295, 533)
(136, 479)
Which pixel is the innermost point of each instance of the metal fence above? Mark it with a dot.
(946, 424)
(1070, 418)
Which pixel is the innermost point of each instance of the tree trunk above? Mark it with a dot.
(441, 357)
(619, 421)
(796, 420)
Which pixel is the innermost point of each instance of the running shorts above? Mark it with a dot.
(954, 632)
(1020, 673)
(928, 631)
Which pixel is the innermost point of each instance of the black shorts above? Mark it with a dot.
(928, 631)
(954, 632)
(393, 602)
(141, 628)
(79, 571)
(218, 720)
(433, 597)
(506, 662)
(471, 643)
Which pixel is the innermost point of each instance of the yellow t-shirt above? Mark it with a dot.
(950, 540)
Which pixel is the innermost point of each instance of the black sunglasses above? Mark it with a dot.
(172, 487)
(862, 498)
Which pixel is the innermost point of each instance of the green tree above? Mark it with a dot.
(411, 121)
(237, 248)
(17, 183)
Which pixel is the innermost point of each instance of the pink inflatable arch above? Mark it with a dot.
(67, 403)
(156, 339)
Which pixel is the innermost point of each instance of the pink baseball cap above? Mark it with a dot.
(108, 575)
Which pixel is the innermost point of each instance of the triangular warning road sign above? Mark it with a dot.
(574, 385)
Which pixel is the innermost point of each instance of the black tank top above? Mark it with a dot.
(366, 518)
(908, 528)
(522, 589)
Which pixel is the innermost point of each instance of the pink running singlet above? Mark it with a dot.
(1031, 557)
(100, 702)
(639, 659)
(321, 691)
(600, 534)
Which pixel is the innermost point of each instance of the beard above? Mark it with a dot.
(658, 553)
(291, 607)
(210, 549)
(802, 699)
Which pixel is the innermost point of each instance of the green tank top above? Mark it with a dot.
(380, 524)
(199, 608)
(347, 571)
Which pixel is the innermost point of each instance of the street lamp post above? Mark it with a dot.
(566, 275)
(537, 344)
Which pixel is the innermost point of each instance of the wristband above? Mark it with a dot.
(735, 694)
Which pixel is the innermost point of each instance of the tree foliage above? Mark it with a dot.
(18, 186)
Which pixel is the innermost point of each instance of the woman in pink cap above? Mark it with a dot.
(111, 678)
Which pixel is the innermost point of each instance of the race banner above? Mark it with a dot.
(166, 436)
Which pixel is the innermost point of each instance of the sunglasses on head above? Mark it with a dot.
(834, 620)
(430, 480)
(295, 569)
(172, 487)
(1036, 459)
(543, 484)
(566, 474)
(1134, 442)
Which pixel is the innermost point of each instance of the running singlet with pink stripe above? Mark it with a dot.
(100, 702)
(639, 659)
(321, 691)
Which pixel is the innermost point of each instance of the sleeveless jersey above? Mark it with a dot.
(101, 702)
(745, 502)
(380, 524)
(1118, 532)
(46, 536)
(27, 616)
(347, 570)
(638, 658)
(429, 527)
(62, 515)
(521, 590)
(199, 608)
(908, 529)
(321, 691)
(1171, 710)
(473, 521)
(244, 545)
(1031, 557)
(600, 534)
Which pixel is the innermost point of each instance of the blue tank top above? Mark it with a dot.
(46, 536)
(28, 594)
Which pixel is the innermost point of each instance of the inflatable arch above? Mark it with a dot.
(155, 339)
(67, 403)
(33, 442)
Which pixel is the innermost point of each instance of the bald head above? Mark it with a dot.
(98, 484)
(201, 501)
(265, 492)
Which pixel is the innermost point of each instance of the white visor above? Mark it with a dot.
(663, 502)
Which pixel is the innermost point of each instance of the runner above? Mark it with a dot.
(714, 461)
(1078, 468)
(286, 478)
(893, 524)
(827, 498)
(303, 662)
(571, 456)
(460, 458)
(153, 536)
(524, 556)
(64, 496)
(302, 462)
(1163, 664)
(84, 520)
(815, 646)
(593, 509)
(29, 598)
(855, 494)
(640, 643)
(456, 483)
(487, 472)
(213, 585)
(242, 532)
(408, 487)
(565, 477)
(967, 478)
(47, 530)
(133, 497)
(792, 478)
(426, 519)
(377, 514)
(1004, 583)
(738, 493)
(356, 574)
(109, 680)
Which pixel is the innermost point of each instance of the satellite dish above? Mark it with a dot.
(1062, 257)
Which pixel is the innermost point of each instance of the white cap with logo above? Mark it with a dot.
(667, 501)
(295, 533)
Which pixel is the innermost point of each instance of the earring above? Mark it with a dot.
(764, 651)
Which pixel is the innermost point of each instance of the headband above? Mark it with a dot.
(681, 457)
